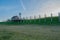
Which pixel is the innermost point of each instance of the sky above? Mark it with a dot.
(27, 8)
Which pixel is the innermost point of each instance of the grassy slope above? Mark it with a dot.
(29, 32)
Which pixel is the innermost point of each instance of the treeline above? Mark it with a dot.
(41, 21)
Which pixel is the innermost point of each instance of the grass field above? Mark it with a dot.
(29, 32)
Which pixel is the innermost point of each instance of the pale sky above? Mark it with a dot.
(9, 8)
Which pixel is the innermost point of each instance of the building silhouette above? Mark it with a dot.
(16, 18)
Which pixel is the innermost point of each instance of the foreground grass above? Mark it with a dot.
(29, 32)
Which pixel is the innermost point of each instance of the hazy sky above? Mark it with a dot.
(9, 8)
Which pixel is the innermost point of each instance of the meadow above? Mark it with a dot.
(29, 32)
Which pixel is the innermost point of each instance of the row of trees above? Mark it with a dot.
(46, 19)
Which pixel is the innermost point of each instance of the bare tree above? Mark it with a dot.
(59, 16)
(34, 17)
(19, 15)
(39, 18)
(51, 16)
(45, 17)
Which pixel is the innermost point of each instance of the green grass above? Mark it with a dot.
(29, 32)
